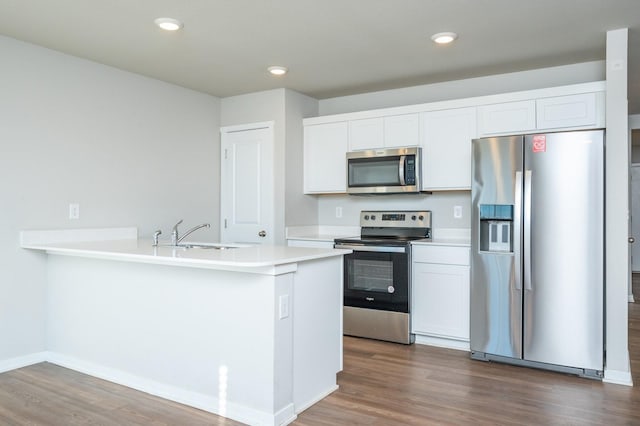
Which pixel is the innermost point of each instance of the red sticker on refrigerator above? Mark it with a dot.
(539, 143)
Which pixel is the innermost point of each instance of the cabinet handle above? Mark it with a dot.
(262, 234)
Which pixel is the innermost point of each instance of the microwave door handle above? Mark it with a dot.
(401, 170)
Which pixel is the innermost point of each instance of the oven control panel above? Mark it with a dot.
(395, 219)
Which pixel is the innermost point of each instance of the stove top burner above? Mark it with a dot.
(391, 228)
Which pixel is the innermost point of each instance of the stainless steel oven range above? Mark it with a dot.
(377, 275)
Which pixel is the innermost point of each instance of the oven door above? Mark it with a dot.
(377, 280)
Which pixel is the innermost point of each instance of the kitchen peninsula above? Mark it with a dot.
(252, 333)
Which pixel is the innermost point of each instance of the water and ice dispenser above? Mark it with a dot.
(496, 228)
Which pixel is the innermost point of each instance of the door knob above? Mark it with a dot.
(632, 240)
(262, 234)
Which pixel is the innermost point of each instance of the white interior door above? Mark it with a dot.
(635, 216)
(246, 184)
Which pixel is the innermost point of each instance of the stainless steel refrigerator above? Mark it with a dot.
(537, 258)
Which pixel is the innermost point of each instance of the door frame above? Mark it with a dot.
(269, 125)
(634, 123)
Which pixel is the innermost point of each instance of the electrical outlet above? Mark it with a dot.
(74, 211)
(284, 306)
(457, 212)
(338, 212)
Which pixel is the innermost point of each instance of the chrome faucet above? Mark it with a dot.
(176, 239)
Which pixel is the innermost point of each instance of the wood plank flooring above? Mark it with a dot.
(382, 384)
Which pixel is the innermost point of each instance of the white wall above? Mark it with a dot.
(617, 210)
(255, 108)
(441, 203)
(300, 209)
(132, 151)
(480, 86)
(287, 109)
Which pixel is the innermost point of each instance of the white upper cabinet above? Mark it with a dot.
(507, 118)
(567, 111)
(446, 148)
(402, 130)
(366, 134)
(325, 149)
(444, 130)
(393, 131)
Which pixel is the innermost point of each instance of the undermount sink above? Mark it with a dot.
(205, 246)
(211, 246)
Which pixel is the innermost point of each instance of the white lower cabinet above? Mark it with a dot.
(440, 295)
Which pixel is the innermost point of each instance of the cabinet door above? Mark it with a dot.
(566, 111)
(505, 118)
(440, 300)
(446, 153)
(366, 134)
(325, 148)
(402, 130)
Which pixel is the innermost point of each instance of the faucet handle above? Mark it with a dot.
(174, 233)
(155, 237)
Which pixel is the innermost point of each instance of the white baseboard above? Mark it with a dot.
(618, 377)
(22, 361)
(442, 342)
(194, 399)
(307, 404)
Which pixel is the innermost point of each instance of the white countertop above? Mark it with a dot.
(321, 232)
(448, 237)
(441, 236)
(253, 259)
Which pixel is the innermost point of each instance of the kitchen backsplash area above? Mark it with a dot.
(344, 210)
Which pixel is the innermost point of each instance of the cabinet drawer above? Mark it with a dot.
(441, 254)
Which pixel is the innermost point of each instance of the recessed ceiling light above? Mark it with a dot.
(168, 24)
(444, 38)
(277, 70)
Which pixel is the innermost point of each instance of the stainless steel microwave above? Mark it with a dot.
(384, 171)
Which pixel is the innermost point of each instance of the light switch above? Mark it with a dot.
(284, 306)
(74, 211)
(457, 212)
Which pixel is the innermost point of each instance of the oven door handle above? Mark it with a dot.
(377, 249)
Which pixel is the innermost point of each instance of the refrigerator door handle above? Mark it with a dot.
(527, 230)
(517, 232)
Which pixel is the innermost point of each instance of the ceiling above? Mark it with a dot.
(331, 47)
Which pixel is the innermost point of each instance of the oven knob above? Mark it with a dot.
(421, 217)
(366, 217)
(373, 217)
(413, 217)
(391, 289)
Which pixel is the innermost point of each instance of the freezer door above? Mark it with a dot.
(496, 290)
(563, 249)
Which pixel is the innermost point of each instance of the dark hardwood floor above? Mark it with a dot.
(382, 384)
